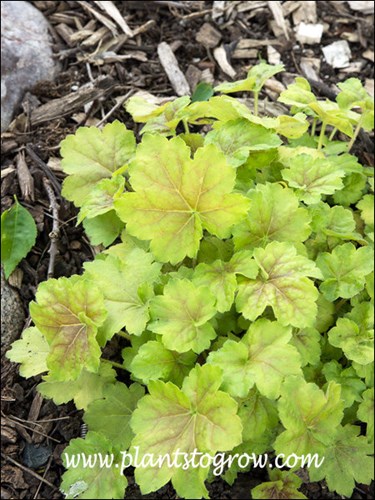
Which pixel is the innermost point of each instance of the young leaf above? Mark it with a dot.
(126, 284)
(236, 138)
(88, 387)
(366, 207)
(198, 416)
(366, 412)
(346, 462)
(298, 94)
(142, 109)
(307, 342)
(176, 198)
(153, 361)
(281, 284)
(111, 415)
(313, 177)
(258, 414)
(92, 155)
(220, 277)
(282, 485)
(309, 416)
(97, 481)
(351, 385)
(352, 95)
(103, 229)
(355, 334)
(256, 78)
(18, 235)
(31, 351)
(181, 315)
(344, 280)
(262, 357)
(100, 199)
(275, 215)
(68, 313)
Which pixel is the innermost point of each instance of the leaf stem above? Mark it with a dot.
(256, 99)
(124, 335)
(355, 135)
(332, 134)
(186, 126)
(114, 364)
(321, 136)
(313, 127)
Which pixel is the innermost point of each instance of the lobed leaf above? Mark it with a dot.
(181, 316)
(92, 155)
(68, 313)
(262, 357)
(31, 352)
(275, 215)
(282, 284)
(176, 198)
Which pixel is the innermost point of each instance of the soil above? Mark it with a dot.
(35, 431)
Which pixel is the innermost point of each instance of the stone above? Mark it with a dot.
(309, 34)
(12, 314)
(26, 54)
(337, 54)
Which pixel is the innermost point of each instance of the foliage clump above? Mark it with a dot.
(237, 264)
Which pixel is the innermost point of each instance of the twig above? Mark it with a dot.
(116, 106)
(44, 475)
(54, 234)
(44, 167)
(29, 471)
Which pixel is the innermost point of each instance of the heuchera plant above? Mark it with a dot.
(243, 285)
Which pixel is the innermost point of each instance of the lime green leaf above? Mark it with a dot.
(166, 122)
(258, 414)
(203, 91)
(256, 78)
(274, 215)
(355, 334)
(220, 277)
(346, 462)
(18, 235)
(68, 313)
(100, 199)
(353, 94)
(31, 351)
(221, 108)
(126, 284)
(153, 361)
(236, 138)
(344, 280)
(111, 415)
(307, 342)
(298, 94)
(366, 206)
(103, 229)
(330, 113)
(92, 155)
(351, 385)
(282, 485)
(97, 481)
(176, 197)
(84, 390)
(281, 284)
(141, 109)
(313, 177)
(262, 357)
(292, 127)
(309, 416)
(198, 416)
(181, 315)
(366, 412)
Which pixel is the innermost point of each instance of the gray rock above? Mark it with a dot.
(26, 54)
(12, 314)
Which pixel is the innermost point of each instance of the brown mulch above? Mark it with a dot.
(100, 65)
